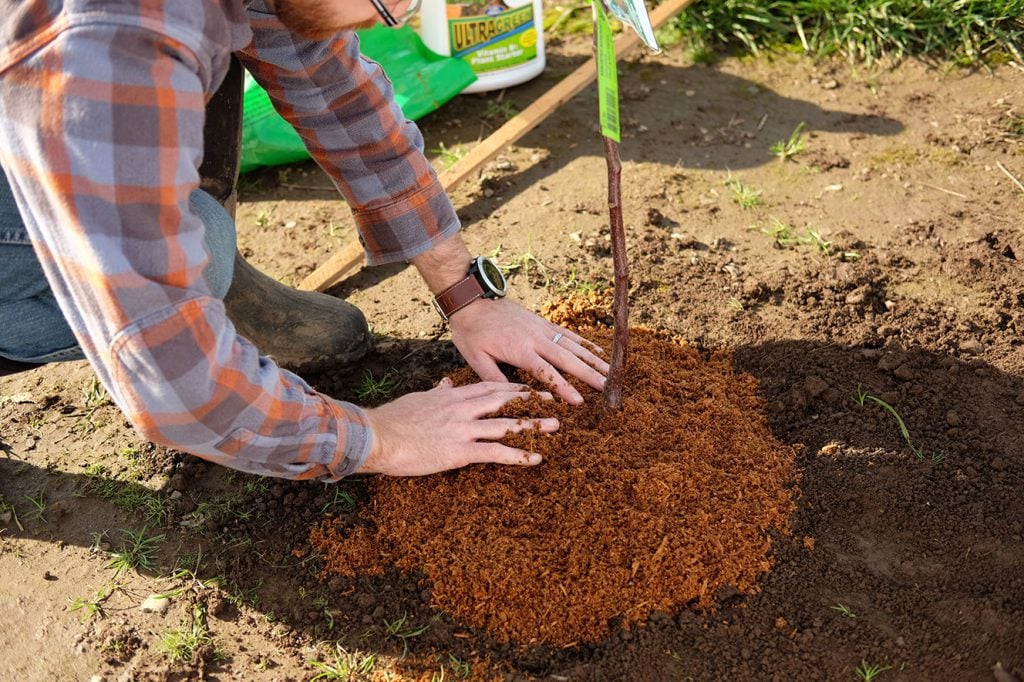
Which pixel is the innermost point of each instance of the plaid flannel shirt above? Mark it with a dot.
(101, 124)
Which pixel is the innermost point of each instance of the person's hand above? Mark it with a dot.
(446, 428)
(490, 331)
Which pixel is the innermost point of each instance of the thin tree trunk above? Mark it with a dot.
(620, 305)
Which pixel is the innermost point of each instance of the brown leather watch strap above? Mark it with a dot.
(458, 296)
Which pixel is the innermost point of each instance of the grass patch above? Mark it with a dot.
(525, 263)
(785, 236)
(378, 389)
(39, 505)
(966, 32)
(183, 643)
(1016, 126)
(400, 629)
(743, 194)
(94, 396)
(787, 149)
(342, 502)
(500, 109)
(347, 665)
(867, 673)
(579, 286)
(449, 156)
(138, 552)
(568, 19)
(9, 513)
(452, 669)
(92, 606)
(129, 497)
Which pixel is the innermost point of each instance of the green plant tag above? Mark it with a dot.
(607, 75)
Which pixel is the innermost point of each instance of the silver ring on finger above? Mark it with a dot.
(556, 338)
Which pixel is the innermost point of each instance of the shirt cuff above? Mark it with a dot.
(407, 227)
(355, 438)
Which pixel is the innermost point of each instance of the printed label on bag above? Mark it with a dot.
(492, 35)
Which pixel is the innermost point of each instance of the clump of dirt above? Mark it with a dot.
(671, 502)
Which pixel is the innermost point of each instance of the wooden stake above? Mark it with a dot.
(350, 257)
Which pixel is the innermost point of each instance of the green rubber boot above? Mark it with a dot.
(304, 331)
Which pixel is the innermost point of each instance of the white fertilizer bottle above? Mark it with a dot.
(503, 40)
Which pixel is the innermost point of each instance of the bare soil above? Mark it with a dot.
(880, 261)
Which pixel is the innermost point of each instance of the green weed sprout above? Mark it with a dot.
(6, 508)
(92, 607)
(449, 155)
(38, 506)
(342, 502)
(867, 673)
(845, 610)
(182, 643)
(374, 389)
(786, 149)
(863, 396)
(400, 629)
(138, 552)
(743, 194)
(346, 666)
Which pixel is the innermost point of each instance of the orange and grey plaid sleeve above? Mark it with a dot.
(343, 107)
(100, 134)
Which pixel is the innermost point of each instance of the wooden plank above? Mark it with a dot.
(335, 269)
(350, 257)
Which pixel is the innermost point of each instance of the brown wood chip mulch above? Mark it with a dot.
(655, 508)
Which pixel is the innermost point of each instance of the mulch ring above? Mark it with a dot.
(662, 506)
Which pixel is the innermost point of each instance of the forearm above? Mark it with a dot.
(343, 107)
(443, 265)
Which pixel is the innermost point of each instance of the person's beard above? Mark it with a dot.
(310, 19)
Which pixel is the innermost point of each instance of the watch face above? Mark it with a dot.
(493, 278)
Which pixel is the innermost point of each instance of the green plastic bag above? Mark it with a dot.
(423, 81)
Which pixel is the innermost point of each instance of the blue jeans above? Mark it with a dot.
(32, 326)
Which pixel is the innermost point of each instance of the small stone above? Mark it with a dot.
(176, 495)
(953, 418)
(830, 84)
(855, 297)
(972, 346)
(815, 386)
(488, 192)
(890, 361)
(155, 603)
(904, 372)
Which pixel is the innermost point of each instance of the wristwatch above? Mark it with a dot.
(485, 280)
